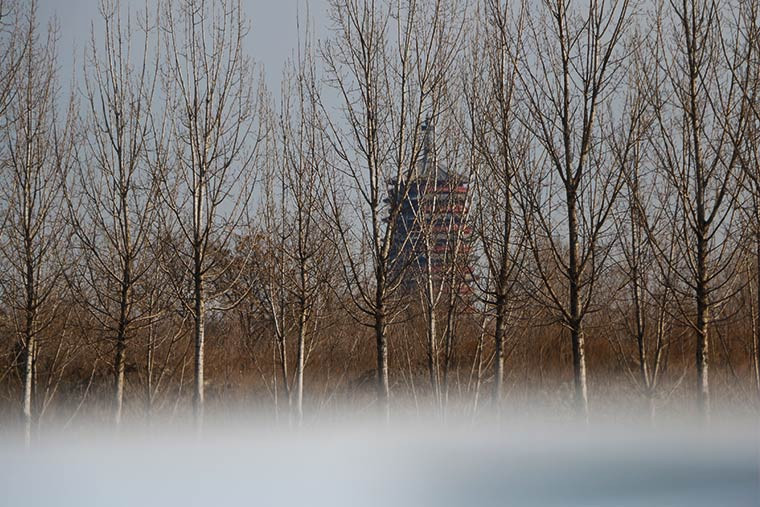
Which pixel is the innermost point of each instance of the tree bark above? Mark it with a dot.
(383, 386)
(703, 320)
(756, 355)
(448, 351)
(200, 316)
(28, 388)
(575, 323)
(499, 334)
(300, 358)
(118, 389)
(149, 377)
(432, 348)
(121, 337)
(30, 287)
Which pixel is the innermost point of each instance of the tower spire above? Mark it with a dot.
(428, 139)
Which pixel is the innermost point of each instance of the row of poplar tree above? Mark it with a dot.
(610, 148)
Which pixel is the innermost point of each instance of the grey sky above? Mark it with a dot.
(272, 39)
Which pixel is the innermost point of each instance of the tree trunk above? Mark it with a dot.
(282, 352)
(121, 346)
(149, 378)
(702, 349)
(448, 352)
(118, 390)
(30, 327)
(576, 332)
(479, 371)
(432, 352)
(579, 371)
(383, 386)
(300, 358)
(499, 333)
(200, 316)
(756, 344)
(638, 304)
(28, 388)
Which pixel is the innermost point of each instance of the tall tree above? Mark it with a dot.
(304, 150)
(114, 195)
(34, 168)
(701, 116)
(296, 254)
(501, 145)
(750, 163)
(384, 63)
(442, 271)
(213, 141)
(570, 74)
(646, 306)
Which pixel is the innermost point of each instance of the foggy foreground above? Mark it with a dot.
(417, 463)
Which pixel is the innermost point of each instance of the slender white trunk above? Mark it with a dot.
(448, 353)
(119, 364)
(756, 317)
(300, 358)
(500, 332)
(149, 378)
(576, 332)
(200, 316)
(432, 351)
(28, 388)
(383, 385)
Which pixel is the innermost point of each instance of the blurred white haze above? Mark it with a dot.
(410, 462)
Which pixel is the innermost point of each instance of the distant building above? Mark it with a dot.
(431, 230)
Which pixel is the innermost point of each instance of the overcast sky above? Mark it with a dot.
(272, 39)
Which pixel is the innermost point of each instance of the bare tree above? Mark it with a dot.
(383, 63)
(441, 271)
(213, 141)
(700, 120)
(295, 252)
(436, 217)
(269, 281)
(501, 147)
(647, 303)
(114, 198)
(570, 72)
(304, 150)
(34, 168)
(750, 163)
